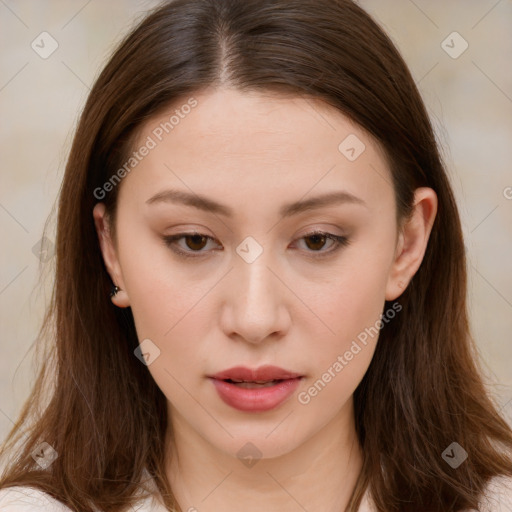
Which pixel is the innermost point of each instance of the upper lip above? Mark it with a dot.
(262, 374)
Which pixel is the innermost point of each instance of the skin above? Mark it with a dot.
(255, 152)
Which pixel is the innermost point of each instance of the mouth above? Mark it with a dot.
(253, 384)
(262, 375)
(255, 390)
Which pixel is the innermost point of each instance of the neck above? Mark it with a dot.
(318, 475)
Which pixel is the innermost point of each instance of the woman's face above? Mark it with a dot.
(255, 176)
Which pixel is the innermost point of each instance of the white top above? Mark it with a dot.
(26, 499)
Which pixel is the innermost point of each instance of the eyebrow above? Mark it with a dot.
(287, 210)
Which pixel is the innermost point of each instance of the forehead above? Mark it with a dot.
(252, 144)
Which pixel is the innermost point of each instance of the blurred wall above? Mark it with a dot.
(459, 52)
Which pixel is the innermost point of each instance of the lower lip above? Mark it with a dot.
(255, 399)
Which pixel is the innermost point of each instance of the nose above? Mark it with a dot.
(255, 306)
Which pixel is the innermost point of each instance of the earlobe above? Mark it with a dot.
(412, 242)
(109, 253)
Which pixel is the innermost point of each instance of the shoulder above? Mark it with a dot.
(498, 495)
(28, 499)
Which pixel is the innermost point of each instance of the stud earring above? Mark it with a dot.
(114, 290)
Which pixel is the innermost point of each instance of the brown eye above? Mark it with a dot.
(193, 245)
(317, 241)
(198, 242)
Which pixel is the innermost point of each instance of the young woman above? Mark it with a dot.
(260, 295)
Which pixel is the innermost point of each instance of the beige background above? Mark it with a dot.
(469, 98)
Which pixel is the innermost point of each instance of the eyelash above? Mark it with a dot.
(339, 242)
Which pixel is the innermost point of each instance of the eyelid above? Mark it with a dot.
(170, 239)
(339, 242)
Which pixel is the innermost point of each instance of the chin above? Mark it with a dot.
(268, 440)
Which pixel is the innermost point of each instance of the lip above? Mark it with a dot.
(263, 373)
(255, 399)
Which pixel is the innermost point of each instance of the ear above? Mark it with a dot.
(412, 242)
(109, 252)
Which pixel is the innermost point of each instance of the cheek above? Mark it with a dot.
(172, 312)
(162, 291)
(170, 306)
(354, 298)
(340, 359)
(350, 307)
(350, 318)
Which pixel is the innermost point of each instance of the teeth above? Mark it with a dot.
(251, 385)
(240, 381)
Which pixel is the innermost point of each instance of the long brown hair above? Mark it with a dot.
(100, 409)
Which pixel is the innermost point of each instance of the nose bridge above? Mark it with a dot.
(255, 300)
